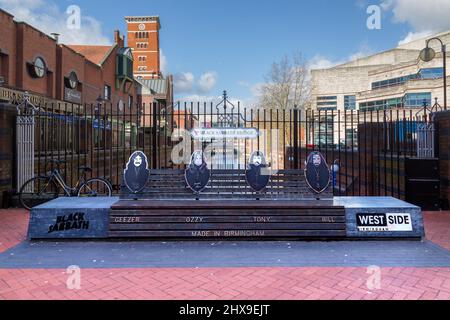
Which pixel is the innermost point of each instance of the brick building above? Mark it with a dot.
(86, 89)
(24, 51)
(143, 39)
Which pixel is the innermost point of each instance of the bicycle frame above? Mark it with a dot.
(69, 191)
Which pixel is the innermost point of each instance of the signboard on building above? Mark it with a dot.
(224, 133)
(71, 95)
(384, 222)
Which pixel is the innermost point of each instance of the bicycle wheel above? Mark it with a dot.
(37, 191)
(96, 187)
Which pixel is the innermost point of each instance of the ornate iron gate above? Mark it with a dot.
(25, 129)
(425, 140)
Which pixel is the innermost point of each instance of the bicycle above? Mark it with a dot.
(42, 189)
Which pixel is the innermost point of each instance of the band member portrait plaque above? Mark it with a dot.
(258, 172)
(317, 172)
(197, 174)
(136, 173)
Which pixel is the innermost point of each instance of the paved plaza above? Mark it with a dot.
(224, 270)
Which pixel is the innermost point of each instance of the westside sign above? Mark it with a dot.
(384, 222)
(224, 133)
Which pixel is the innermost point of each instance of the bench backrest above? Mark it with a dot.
(225, 184)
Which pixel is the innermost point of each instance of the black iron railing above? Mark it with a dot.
(370, 147)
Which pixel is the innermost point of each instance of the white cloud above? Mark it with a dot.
(322, 62)
(46, 16)
(183, 82)
(201, 98)
(207, 82)
(415, 36)
(163, 61)
(424, 16)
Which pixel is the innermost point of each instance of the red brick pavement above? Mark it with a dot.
(13, 228)
(437, 227)
(225, 283)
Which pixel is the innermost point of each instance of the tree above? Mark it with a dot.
(287, 84)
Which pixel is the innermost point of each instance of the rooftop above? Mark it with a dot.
(156, 86)
(140, 19)
(95, 54)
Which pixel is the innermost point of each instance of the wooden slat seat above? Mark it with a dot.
(226, 209)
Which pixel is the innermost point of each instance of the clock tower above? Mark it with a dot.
(143, 39)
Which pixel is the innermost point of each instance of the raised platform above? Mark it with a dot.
(340, 218)
(369, 217)
(227, 219)
(71, 218)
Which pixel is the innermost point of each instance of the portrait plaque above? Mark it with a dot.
(317, 172)
(136, 173)
(258, 172)
(197, 174)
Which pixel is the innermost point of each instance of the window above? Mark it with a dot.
(351, 137)
(416, 100)
(324, 132)
(142, 58)
(392, 82)
(423, 74)
(107, 92)
(349, 102)
(142, 45)
(431, 73)
(382, 104)
(327, 98)
(411, 100)
(130, 101)
(37, 69)
(327, 103)
(72, 80)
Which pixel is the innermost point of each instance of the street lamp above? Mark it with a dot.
(429, 54)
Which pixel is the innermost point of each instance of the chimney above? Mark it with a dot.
(55, 36)
(118, 39)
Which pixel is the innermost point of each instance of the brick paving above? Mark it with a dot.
(324, 283)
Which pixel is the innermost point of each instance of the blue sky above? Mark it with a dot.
(215, 45)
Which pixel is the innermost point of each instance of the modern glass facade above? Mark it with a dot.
(350, 102)
(431, 73)
(410, 100)
(324, 133)
(426, 73)
(416, 100)
(327, 103)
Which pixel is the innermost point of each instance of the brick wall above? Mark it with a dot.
(7, 139)
(8, 47)
(443, 126)
(21, 44)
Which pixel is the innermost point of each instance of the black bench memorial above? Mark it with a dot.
(256, 203)
(201, 203)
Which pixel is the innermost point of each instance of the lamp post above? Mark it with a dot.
(428, 54)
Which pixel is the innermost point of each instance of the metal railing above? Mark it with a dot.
(369, 146)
